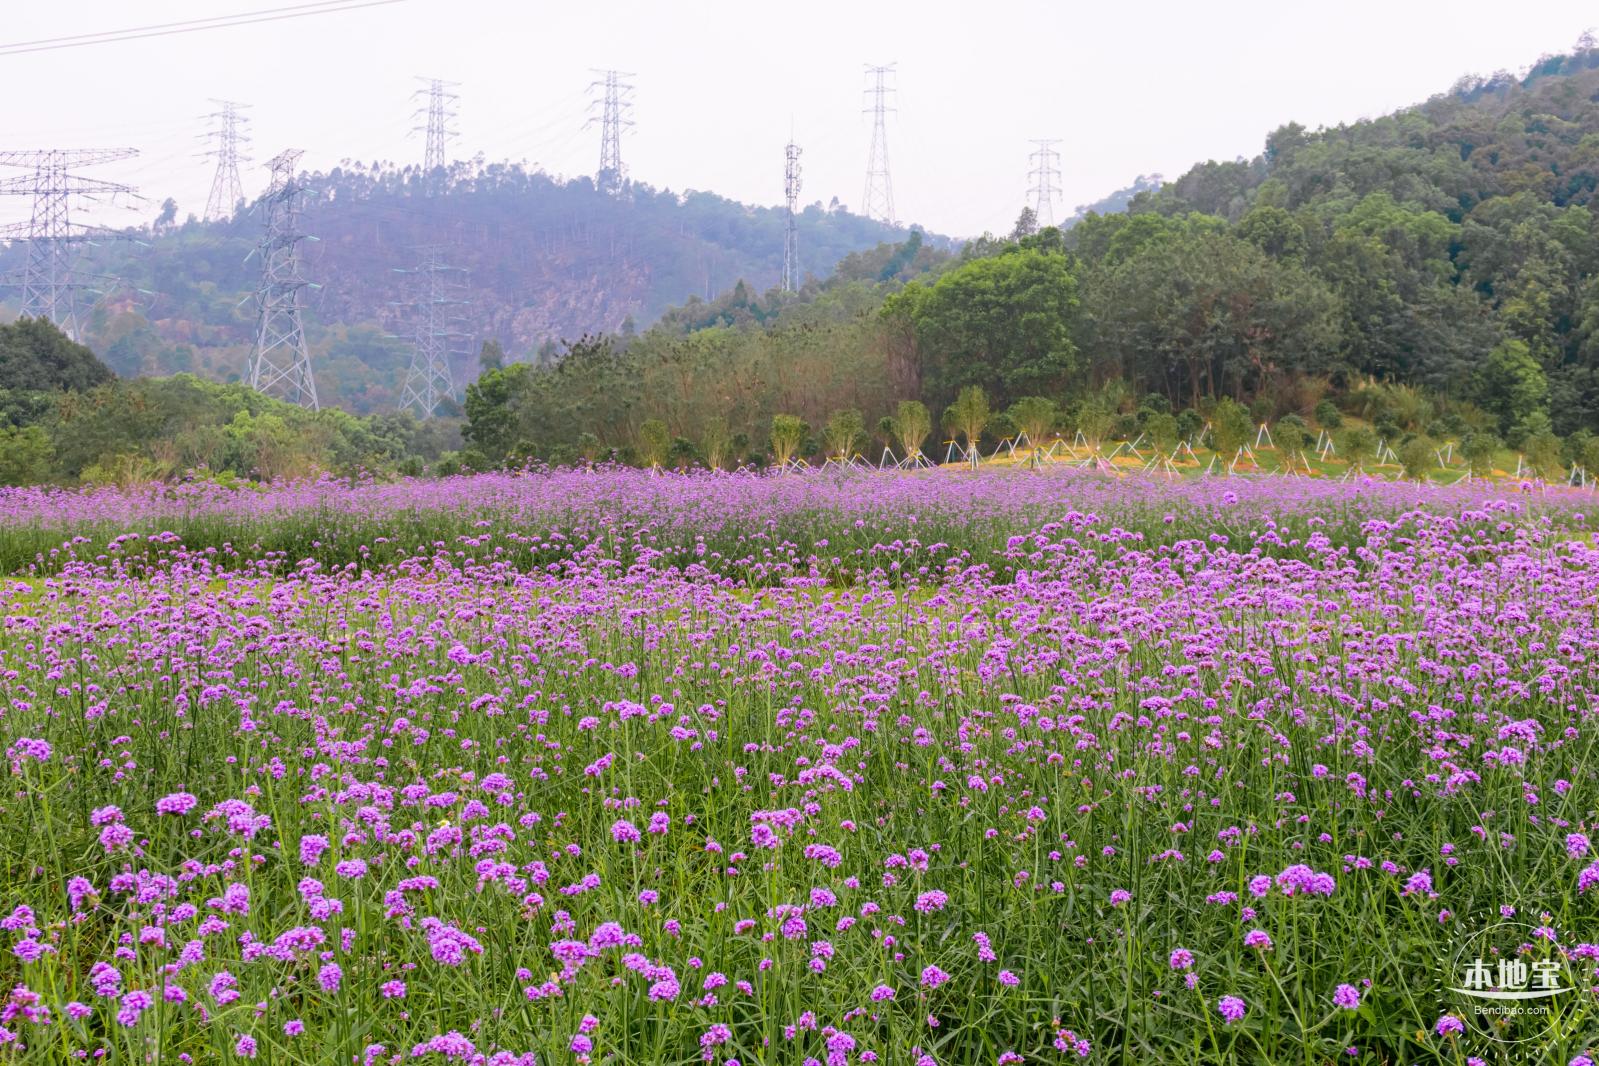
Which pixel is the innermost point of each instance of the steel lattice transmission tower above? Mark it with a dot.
(280, 365)
(791, 191)
(226, 189)
(1045, 172)
(48, 281)
(879, 199)
(440, 112)
(435, 325)
(614, 105)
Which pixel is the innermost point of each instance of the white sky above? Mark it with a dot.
(1131, 89)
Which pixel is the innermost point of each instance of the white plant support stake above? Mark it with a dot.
(1264, 431)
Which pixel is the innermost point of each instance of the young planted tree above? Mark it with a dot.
(1542, 450)
(1588, 457)
(1358, 445)
(654, 442)
(1479, 448)
(788, 433)
(912, 424)
(716, 441)
(1293, 439)
(1095, 419)
(1036, 417)
(844, 433)
(969, 414)
(1230, 426)
(1418, 457)
(1164, 431)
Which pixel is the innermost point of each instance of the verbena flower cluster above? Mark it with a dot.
(956, 768)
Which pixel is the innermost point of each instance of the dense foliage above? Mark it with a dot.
(64, 416)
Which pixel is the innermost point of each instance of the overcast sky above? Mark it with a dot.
(1129, 88)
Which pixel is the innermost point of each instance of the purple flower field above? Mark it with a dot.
(997, 768)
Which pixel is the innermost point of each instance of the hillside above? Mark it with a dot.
(1442, 230)
(544, 261)
(1433, 273)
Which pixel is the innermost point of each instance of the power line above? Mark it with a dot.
(879, 198)
(168, 29)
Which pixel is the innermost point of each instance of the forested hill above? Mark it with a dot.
(1484, 138)
(543, 260)
(1437, 232)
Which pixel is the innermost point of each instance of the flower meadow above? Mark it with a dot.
(978, 767)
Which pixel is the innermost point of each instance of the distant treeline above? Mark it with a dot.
(1449, 248)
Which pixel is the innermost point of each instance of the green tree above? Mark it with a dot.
(35, 356)
(1035, 416)
(1231, 427)
(788, 433)
(1511, 384)
(1542, 451)
(1004, 324)
(715, 441)
(1293, 438)
(968, 414)
(1163, 431)
(27, 456)
(912, 424)
(491, 356)
(492, 423)
(1358, 445)
(844, 432)
(1417, 457)
(654, 442)
(1479, 448)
